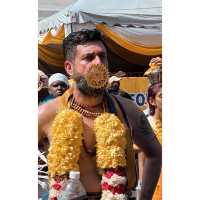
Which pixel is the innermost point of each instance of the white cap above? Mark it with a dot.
(113, 78)
(57, 77)
(74, 174)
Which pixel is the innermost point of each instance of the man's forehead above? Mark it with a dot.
(57, 82)
(90, 47)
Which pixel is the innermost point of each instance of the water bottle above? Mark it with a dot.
(74, 189)
(138, 190)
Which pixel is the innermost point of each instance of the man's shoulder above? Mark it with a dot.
(126, 103)
(136, 118)
(50, 108)
(132, 112)
(125, 94)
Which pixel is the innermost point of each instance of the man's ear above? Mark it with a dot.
(68, 67)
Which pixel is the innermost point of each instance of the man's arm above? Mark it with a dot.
(41, 122)
(46, 114)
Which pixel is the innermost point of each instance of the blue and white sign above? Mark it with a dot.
(138, 98)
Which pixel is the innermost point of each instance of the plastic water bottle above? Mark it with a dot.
(138, 190)
(74, 189)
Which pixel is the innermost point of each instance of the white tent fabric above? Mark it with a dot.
(140, 36)
(47, 8)
(136, 12)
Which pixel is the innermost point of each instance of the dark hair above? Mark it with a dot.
(151, 93)
(79, 37)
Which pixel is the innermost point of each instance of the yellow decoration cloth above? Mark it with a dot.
(50, 48)
(128, 45)
(157, 127)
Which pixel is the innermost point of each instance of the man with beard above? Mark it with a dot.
(86, 62)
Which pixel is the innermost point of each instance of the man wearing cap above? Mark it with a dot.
(57, 85)
(114, 82)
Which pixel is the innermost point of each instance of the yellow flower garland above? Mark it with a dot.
(64, 151)
(111, 141)
(67, 131)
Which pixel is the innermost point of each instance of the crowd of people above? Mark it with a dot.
(91, 125)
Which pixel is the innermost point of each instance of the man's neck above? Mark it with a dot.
(86, 100)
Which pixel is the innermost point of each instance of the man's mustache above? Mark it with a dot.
(94, 82)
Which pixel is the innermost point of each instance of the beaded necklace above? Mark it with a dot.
(83, 110)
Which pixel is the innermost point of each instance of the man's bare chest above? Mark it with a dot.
(89, 138)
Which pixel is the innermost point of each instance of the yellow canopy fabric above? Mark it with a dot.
(130, 46)
(134, 84)
(47, 55)
(50, 48)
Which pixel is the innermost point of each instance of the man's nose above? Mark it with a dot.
(97, 60)
(59, 87)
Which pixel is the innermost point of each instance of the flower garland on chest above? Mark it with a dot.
(64, 152)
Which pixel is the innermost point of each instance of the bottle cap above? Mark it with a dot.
(74, 174)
